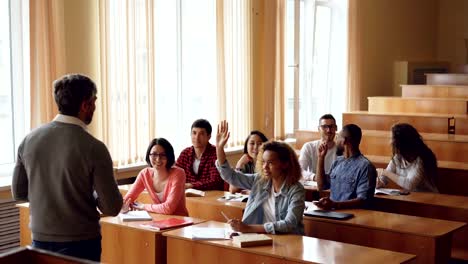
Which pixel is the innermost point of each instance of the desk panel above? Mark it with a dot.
(285, 249)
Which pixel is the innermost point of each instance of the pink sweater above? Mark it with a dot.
(173, 202)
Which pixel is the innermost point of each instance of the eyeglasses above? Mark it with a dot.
(161, 156)
(331, 127)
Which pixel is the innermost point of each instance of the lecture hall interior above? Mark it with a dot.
(270, 65)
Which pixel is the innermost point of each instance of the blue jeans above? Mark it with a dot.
(85, 249)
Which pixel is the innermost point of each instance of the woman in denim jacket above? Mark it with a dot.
(276, 201)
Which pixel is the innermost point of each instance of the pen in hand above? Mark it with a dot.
(225, 216)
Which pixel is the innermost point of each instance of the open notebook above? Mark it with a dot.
(389, 191)
(209, 233)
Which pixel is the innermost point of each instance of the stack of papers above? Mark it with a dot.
(135, 216)
(238, 197)
(389, 191)
(209, 233)
(194, 193)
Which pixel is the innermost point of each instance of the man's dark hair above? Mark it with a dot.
(327, 116)
(71, 91)
(168, 150)
(202, 123)
(353, 134)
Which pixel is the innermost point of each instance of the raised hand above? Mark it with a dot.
(322, 150)
(223, 134)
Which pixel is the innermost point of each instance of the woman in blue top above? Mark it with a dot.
(276, 201)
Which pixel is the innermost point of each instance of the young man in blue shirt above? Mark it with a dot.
(352, 176)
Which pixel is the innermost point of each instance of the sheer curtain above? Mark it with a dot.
(274, 56)
(160, 71)
(47, 53)
(126, 79)
(234, 46)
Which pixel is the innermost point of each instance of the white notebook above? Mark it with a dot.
(135, 216)
(208, 233)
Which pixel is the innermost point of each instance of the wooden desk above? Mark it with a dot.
(210, 207)
(128, 242)
(25, 232)
(384, 104)
(445, 146)
(285, 249)
(425, 123)
(429, 239)
(432, 205)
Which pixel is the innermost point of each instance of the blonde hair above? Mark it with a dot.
(286, 155)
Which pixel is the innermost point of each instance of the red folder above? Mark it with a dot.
(159, 225)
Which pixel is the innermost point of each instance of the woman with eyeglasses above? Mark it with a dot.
(164, 182)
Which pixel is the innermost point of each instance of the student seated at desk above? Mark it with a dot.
(276, 200)
(413, 165)
(246, 163)
(164, 182)
(352, 176)
(308, 157)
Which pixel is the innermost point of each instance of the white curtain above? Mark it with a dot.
(234, 32)
(159, 73)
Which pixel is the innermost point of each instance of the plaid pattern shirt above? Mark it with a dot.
(208, 176)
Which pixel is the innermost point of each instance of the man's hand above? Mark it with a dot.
(188, 185)
(322, 150)
(325, 203)
(223, 134)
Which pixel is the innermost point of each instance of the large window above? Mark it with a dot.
(316, 59)
(14, 73)
(165, 64)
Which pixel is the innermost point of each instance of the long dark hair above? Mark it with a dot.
(254, 132)
(408, 144)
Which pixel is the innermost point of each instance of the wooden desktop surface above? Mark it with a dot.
(129, 242)
(429, 239)
(432, 205)
(380, 226)
(285, 249)
(25, 232)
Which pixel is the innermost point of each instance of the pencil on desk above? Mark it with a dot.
(225, 216)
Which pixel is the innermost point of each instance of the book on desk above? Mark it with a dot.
(313, 211)
(252, 240)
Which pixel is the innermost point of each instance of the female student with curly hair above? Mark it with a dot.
(276, 201)
(413, 165)
(164, 182)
